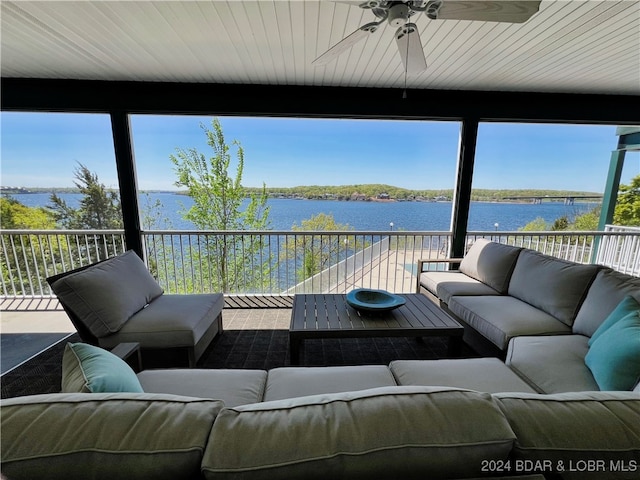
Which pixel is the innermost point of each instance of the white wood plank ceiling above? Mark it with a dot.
(568, 46)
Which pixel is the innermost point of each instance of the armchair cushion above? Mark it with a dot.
(172, 320)
(89, 369)
(107, 294)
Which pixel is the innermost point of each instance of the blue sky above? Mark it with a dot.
(43, 149)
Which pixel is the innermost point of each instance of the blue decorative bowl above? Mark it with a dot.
(366, 300)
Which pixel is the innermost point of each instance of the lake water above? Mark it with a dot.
(410, 216)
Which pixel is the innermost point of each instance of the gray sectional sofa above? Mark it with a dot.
(367, 422)
(535, 311)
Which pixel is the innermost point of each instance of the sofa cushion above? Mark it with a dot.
(389, 432)
(552, 364)
(627, 306)
(555, 286)
(577, 429)
(105, 436)
(444, 285)
(233, 387)
(500, 318)
(482, 374)
(614, 358)
(606, 292)
(90, 369)
(107, 294)
(185, 317)
(290, 382)
(491, 263)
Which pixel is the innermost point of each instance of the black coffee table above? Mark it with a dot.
(329, 316)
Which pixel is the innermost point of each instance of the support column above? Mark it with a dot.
(611, 189)
(125, 163)
(462, 192)
(628, 141)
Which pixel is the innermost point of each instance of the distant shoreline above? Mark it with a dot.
(529, 201)
(369, 193)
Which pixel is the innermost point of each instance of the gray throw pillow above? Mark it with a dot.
(106, 295)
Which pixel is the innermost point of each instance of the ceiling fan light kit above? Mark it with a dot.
(410, 48)
(398, 14)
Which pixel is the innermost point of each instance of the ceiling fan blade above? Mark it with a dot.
(511, 11)
(410, 48)
(345, 44)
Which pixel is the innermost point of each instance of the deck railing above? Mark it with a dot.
(283, 262)
(620, 252)
(30, 256)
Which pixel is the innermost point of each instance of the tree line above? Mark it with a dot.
(374, 190)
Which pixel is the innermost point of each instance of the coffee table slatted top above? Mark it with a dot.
(329, 315)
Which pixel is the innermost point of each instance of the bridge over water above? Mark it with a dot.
(568, 199)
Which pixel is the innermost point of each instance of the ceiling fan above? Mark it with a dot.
(397, 14)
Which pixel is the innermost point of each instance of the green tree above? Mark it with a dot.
(627, 211)
(587, 221)
(99, 208)
(233, 261)
(27, 255)
(15, 215)
(315, 253)
(560, 223)
(538, 224)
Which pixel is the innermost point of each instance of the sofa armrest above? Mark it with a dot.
(422, 261)
(130, 353)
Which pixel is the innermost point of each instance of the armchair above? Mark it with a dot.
(117, 300)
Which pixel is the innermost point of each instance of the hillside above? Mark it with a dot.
(378, 191)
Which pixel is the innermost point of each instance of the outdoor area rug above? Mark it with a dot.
(257, 349)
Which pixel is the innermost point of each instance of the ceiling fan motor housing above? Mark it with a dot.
(398, 14)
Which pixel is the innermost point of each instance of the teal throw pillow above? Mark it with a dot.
(90, 369)
(625, 307)
(614, 358)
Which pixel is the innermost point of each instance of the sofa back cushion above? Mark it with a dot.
(555, 286)
(490, 263)
(107, 294)
(576, 429)
(105, 435)
(387, 432)
(607, 291)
